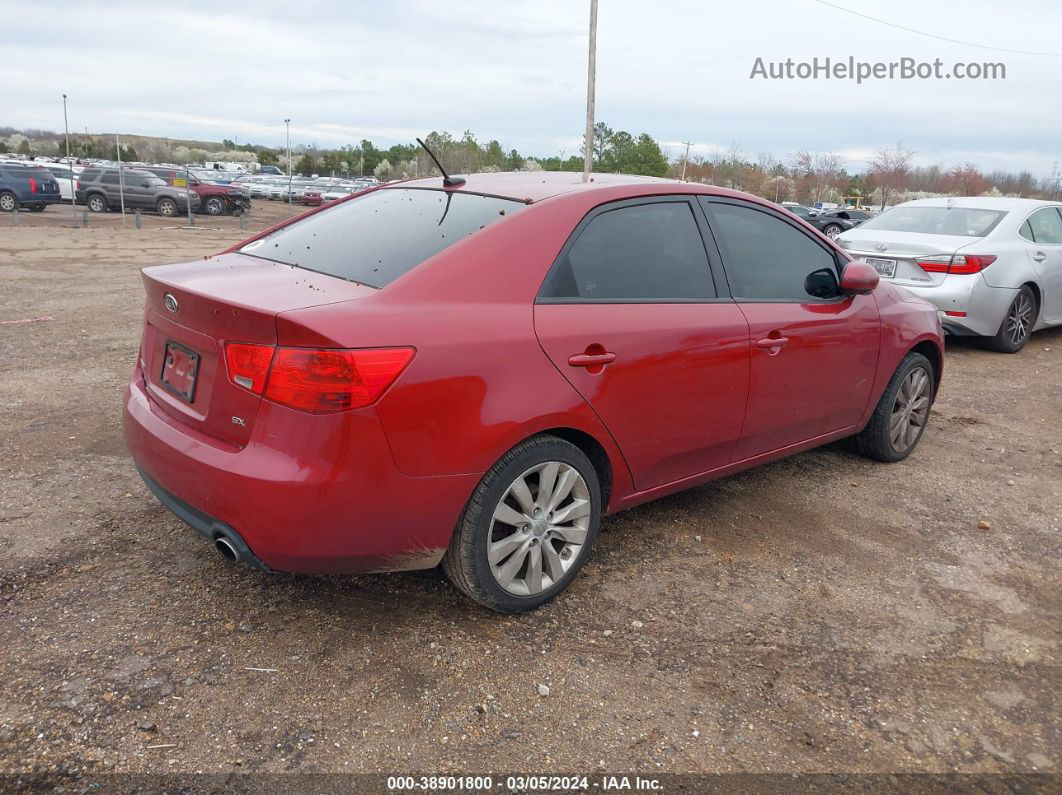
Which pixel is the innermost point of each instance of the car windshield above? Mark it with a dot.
(962, 221)
(375, 239)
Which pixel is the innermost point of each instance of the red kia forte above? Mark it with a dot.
(474, 374)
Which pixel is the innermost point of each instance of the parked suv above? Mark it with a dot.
(98, 189)
(27, 186)
(214, 199)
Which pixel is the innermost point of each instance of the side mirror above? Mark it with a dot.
(859, 278)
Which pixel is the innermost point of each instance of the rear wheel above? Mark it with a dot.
(1016, 327)
(167, 207)
(528, 528)
(832, 230)
(214, 206)
(8, 202)
(97, 203)
(902, 413)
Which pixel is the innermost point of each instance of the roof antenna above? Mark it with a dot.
(448, 181)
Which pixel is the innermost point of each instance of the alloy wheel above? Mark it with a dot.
(910, 411)
(832, 232)
(7, 202)
(1020, 318)
(539, 528)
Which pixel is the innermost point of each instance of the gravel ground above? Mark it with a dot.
(823, 613)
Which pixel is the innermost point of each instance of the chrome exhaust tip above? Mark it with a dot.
(227, 549)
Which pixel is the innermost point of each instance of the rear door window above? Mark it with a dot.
(375, 239)
(644, 252)
(1045, 226)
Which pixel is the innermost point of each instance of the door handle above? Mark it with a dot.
(772, 342)
(591, 359)
(1039, 256)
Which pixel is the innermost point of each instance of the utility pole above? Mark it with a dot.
(287, 128)
(686, 159)
(69, 165)
(121, 176)
(591, 75)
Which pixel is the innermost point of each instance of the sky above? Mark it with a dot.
(516, 71)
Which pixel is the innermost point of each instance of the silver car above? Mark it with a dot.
(992, 267)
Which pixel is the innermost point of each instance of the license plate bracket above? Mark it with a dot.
(884, 267)
(180, 370)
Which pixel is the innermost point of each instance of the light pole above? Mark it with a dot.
(588, 138)
(287, 133)
(686, 159)
(69, 165)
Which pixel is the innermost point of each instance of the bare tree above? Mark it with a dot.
(890, 170)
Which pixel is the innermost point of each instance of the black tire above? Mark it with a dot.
(8, 201)
(466, 562)
(1017, 325)
(876, 439)
(166, 207)
(97, 203)
(214, 205)
(832, 230)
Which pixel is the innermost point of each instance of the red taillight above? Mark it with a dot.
(249, 365)
(954, 314)
(960, 263)
(319, 381)
(33, 185)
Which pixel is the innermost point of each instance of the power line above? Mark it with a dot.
(934, 35)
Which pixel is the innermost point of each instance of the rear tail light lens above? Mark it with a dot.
(960, 263)
(33, 185)
(249, 365)
(319, 381)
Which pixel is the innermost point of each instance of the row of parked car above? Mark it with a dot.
(309, 191)
(167, 190)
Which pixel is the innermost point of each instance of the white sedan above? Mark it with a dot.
(992, 267)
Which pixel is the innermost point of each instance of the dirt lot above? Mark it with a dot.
(824, 613)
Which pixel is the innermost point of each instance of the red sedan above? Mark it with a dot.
(475, 374)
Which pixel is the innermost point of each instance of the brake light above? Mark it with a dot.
(249, 365)
(960, 263)
(319, 381)
(33, 185)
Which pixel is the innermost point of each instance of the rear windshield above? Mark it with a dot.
(376, 238)
(963, 221)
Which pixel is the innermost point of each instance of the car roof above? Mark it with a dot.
(1004, 204)
(536, 185)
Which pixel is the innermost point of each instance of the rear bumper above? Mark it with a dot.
(310, 494)
(976, 309)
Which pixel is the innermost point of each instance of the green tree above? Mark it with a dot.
(24, 147)
(307, 165)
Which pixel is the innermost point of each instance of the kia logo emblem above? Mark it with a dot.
(170, 302)
(881, 247)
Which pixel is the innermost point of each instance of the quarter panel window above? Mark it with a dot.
(644, 252)
(766, 259)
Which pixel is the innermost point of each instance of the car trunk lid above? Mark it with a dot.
(905, 249)
(193, 309)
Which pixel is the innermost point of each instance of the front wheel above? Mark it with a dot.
(832, 231)
(167, 207)
(214, 206)
(902, 413)
(528, 528)
(1016, 327)
(8, 202)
